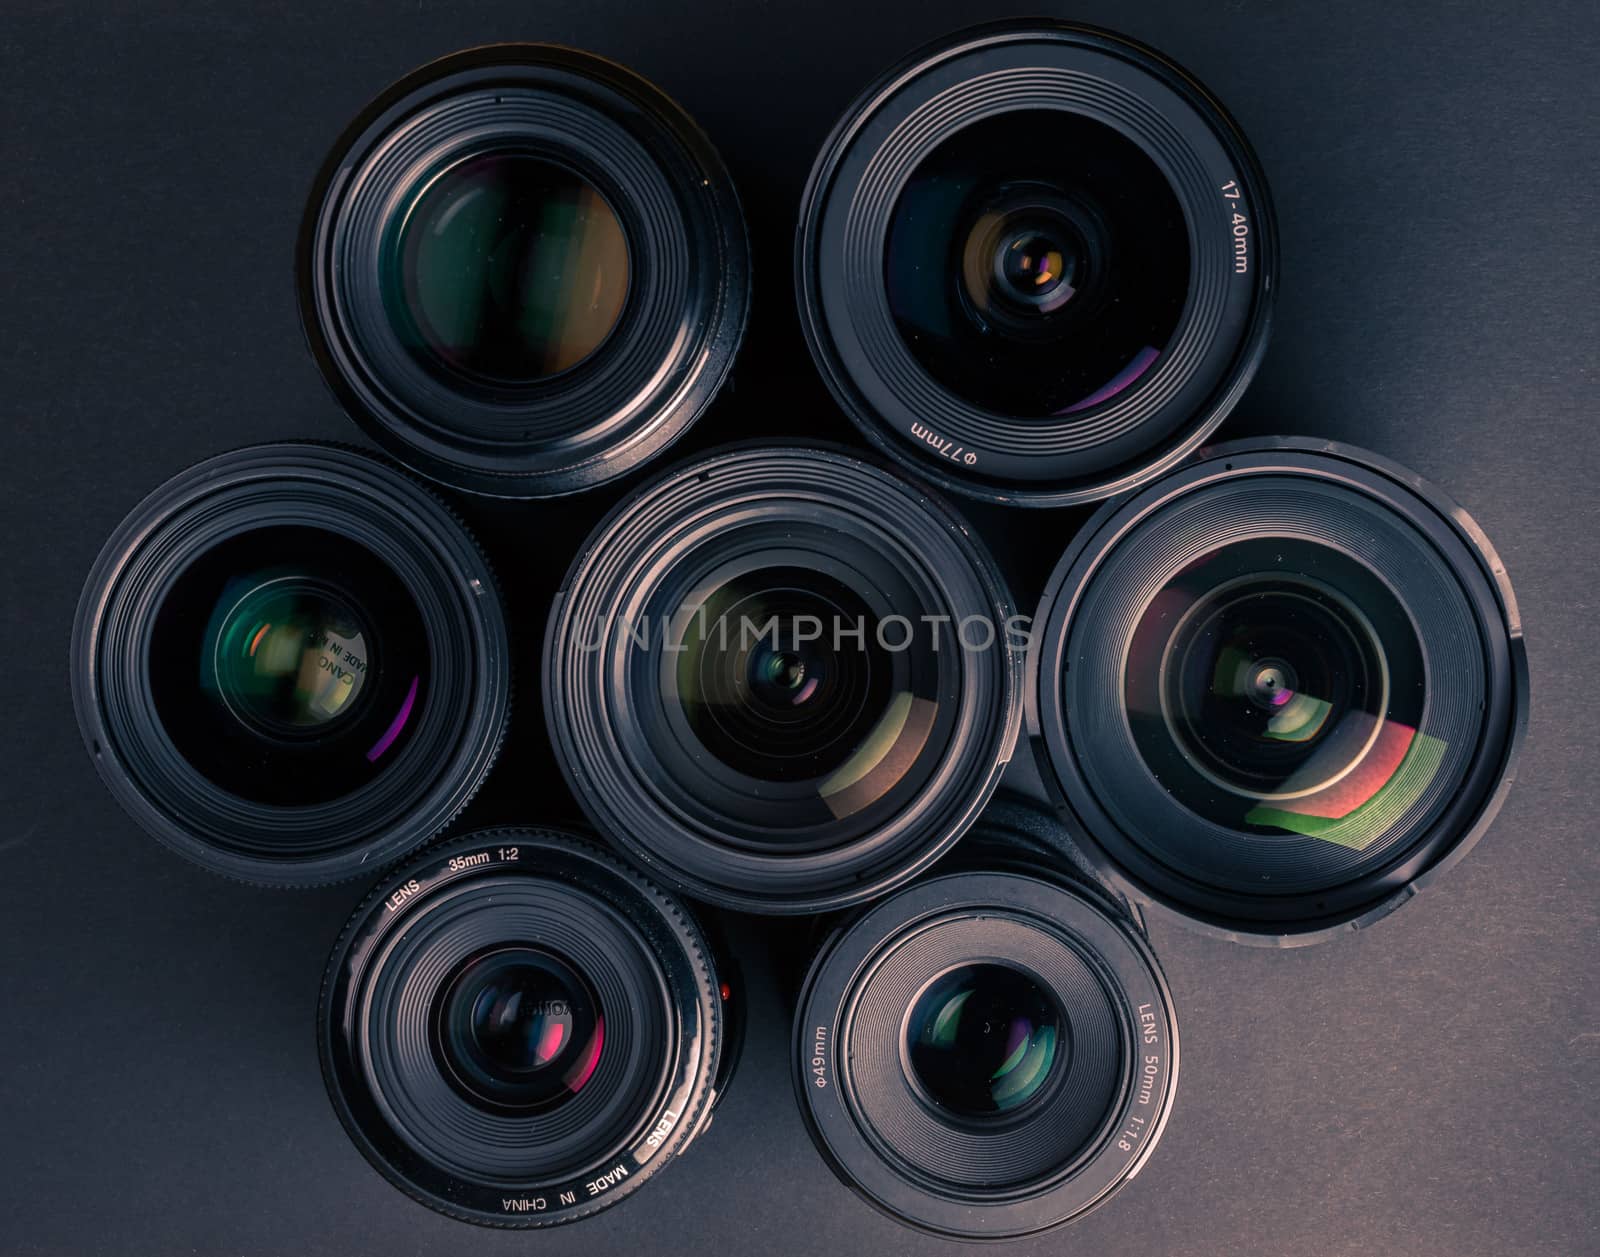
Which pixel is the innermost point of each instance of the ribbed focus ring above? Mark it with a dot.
(568, 131)
(694, 511)
(866, 231)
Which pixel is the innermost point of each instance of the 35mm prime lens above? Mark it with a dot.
(518, 1030)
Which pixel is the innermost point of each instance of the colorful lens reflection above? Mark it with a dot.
(291, 655)
(510, 268)
(984, 1040)
(1037, 263)
(519, 1028)
(782, 676)
(1264, 696)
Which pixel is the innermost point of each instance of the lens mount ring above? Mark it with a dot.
(653, 1083)
(930, 1173)
(1365, 516)
(453, 739)
(781, 500)
(894, 125)
(688, 297)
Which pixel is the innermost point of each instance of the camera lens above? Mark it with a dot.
(290, 663)
(517, 1030)
(510, 269)
(1035, 263)
(1296, 682)
(524, 270)
(280, 654)
(986, 1053)
(982, 1039)
(782, 678)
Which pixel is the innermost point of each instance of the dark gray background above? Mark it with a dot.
(1428, 1087)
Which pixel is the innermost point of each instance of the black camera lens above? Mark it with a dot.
(518, 1030)
(1035, 262)
(983, 1039)
(290, 664)
(1279, 689)
(510, 269)
(524, 270)
(782, 678)
(989, 1052)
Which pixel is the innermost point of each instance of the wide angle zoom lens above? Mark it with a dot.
(783, 679)
(290, 664)
(1035, 263)
(518, 1030)
(987, 1053)
(524, 270)
(1279, 689)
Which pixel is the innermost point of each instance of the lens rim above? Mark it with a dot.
(1001, 885)
(324, 486)
(872, 375)
(594, 736)
(689, 274)
(1318, 915)
(561, 861)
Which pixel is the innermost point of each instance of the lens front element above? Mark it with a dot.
(984, 1039)
(510, 268)
(518, 1030)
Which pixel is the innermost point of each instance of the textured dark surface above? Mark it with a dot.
(1429, 1087)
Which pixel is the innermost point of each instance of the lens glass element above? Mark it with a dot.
(508, 268)
(812, 708)
(1278, 685)
(774, 690)
(983, 1039)
(1037, 263)
(291, 656)
(289, 665)
(518, 1028)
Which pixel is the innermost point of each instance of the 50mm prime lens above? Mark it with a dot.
(990, 1051)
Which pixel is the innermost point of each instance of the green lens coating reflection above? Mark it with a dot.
(511, 268)
(983, 1040)
(291, 656)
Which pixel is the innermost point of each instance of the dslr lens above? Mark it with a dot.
(989, 1052)
(983, 1039)
(510, 269)
(1035, 263)
(781, 678)
(517, 1030)
(1297, 681)
(524, 270)
(290, 663)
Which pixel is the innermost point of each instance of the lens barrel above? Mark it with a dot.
(1035, 263)
(990, 1051)
(290, 664)
(518, 1030)
(1279, 690)
(523, 270)
(782, 678)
